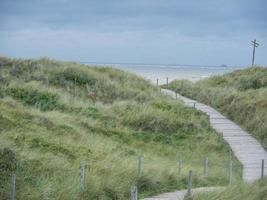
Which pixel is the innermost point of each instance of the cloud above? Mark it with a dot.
(118, 15)
(141, 30)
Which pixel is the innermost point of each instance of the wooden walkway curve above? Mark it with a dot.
(179, 195)
(246, 148)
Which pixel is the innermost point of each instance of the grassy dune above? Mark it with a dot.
(240, 95)
(255, 191)
(53, 115)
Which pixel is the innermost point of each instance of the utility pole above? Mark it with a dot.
(254, 44)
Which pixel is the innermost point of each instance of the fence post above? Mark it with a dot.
(206, 162)
(189, 185)
(194, 104)
(262, 169)
(176, 95)
(139, 166)
(75, 88)
(230, 166)
(230, 153)
(13, 187)
(157, 82)
(82, 176)
(167, 81)
(230, 172)
(134, 194)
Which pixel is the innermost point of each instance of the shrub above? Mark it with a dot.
(73, 76)
(251, 82)
(43, 100)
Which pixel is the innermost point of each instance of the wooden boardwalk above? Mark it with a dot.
(179, 195)
(246, 148)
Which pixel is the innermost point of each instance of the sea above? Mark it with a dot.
(161, 72)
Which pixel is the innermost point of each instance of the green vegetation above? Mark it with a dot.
(7, 168)
(56, 114)
(240, 95)
(255, 191)
(42, 100)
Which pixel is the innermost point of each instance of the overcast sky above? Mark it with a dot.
(207, 32)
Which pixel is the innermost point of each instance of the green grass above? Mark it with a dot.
(255, 191)
(241, 95)
(56, 114)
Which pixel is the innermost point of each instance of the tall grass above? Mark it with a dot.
(241, 95)
(56, 114)
(255, 191)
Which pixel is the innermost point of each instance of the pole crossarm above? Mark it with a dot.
(254, 43)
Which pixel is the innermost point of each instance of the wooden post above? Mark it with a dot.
(230, 166)
(157, 82)
(189, 185)
(139, 166)
(254, 45)
(230, 153)
(262, 169)
(230, 172)
(13, 187)
(134, 195)
(194, 104)
(176, 96)
(82, 176)
(167, 81)
(205, 163)
(75, 88)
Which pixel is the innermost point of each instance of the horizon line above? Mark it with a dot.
(160, 64)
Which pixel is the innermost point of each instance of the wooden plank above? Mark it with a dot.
(246, 148)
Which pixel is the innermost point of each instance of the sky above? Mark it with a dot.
(207, 32)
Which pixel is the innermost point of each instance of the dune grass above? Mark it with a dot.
(241, 95)
(55, 115)
(255, 191)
